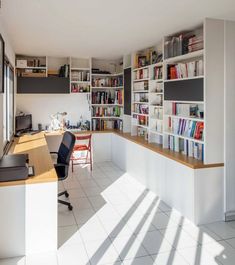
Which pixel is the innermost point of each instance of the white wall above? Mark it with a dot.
(229, 125)
(41, 106)
(11, 56)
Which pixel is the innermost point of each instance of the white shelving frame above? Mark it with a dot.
(213, 93)
(107, 65)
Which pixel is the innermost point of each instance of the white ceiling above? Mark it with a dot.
(101, 28)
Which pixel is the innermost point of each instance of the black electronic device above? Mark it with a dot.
(14, 167)
(23, 124)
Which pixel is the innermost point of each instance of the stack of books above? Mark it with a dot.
(185, 70)
(142, 109)
(77, 75)
(107, 97)
(185, 110)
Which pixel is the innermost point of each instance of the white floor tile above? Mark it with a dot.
(101, 252)
(154, 242)
(178, 238)
(198, 256)
(97, 202)
(69, 235)
(13, 261)
(129, 247)
(221, 251)
(76, 193)
(65, 217)
(222, 229)
(82, 216)
(94, 191)
(162, 221)
(231, 242)
(200, 233)
(42, 259)
(139, 261)
(172, 258)
(93, 230)
(81, 203)
(73, 255)
(140, 224)
(164, 207)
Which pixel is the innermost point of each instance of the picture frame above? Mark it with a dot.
(2, 56)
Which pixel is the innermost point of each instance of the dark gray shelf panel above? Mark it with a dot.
(127, 91)
(43, 85)
(184, 90)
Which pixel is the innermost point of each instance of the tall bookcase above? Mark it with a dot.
(177, 103)
(107, 96)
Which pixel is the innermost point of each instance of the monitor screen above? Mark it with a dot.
(24, 123)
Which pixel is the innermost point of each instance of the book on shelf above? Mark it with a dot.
(100, 125)
(184, 110)
(140, 97)
(141, 109)
(107, 97)
(80, 88)
(114, 111)
(116, 81)
(80, 75)
(185, 70)
(157, 72)
(143, 58)
(187, 128)
(64, 71)
(186, 147)
(140, 86)
(183, 43)
(141, 74)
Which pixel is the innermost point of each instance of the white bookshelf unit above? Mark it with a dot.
(173, 99)
(107, 94)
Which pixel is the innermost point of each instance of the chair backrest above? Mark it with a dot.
(66, 148)
(83, 138)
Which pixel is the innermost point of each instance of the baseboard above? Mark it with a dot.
(229, 216)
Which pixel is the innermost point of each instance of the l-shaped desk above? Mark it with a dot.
(28, 222)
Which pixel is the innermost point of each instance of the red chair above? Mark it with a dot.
(78, 148)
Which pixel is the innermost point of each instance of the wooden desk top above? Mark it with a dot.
(39, 157)
(178, 157)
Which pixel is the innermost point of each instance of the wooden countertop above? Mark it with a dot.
(39, 156)
(178, 157)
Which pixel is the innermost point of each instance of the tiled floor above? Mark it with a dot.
(115, 220)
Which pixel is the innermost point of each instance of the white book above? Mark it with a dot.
(191, 68)
(177, 144)
(190, 149)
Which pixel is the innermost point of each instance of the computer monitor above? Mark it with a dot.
(23, 123)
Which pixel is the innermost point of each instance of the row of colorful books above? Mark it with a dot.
(184, 70)
(107, 97)
(187, 128)
(186, 147)
(107, 81)
(107, 111)
(100, 125)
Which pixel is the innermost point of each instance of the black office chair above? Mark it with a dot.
(63, 159)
